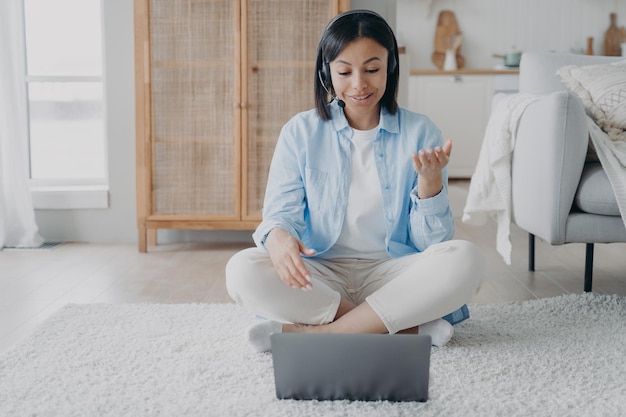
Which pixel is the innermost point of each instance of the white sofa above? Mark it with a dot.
(558, 195)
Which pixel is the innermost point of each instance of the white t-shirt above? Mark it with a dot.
(363, 232)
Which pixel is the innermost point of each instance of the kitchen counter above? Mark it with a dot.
(466, 71)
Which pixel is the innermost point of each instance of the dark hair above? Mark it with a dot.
(343, 29)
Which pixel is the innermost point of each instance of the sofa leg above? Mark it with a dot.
(531, 252)
(588, 266)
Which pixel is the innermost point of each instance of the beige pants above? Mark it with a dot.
(404, 292)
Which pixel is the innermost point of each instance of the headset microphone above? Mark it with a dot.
(340, 102)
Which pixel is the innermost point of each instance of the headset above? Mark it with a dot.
(324, 73)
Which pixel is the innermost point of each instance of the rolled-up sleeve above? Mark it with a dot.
(431, 220)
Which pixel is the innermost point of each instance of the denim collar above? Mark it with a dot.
(390, 122)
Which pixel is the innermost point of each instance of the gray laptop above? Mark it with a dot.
(365, 367)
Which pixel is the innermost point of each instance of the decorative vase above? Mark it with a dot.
(449, 63)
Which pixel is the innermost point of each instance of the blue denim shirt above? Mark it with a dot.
(309, 181)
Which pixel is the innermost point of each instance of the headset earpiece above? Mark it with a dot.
(325, 73)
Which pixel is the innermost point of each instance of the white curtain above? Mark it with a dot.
(17, 217)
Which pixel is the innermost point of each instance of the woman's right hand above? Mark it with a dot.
(285, 251)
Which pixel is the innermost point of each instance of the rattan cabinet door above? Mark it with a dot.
(280, 40)
(215, 82)
(195, 116)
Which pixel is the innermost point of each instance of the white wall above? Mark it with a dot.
(385, 8)
(494, 26)
(490, 26)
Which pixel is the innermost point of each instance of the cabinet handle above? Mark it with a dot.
(458, 78)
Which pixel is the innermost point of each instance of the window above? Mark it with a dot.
(64, 82)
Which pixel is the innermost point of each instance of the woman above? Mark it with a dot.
(356, 227)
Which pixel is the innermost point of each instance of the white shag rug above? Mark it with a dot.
(562, 356)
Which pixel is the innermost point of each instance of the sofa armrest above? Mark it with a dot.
(547, 163)
(537, 70)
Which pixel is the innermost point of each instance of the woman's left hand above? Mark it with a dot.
(428, 163)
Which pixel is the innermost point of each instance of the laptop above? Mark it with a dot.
(363, 367)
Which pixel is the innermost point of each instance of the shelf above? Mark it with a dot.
(214, 63)
(511, 71)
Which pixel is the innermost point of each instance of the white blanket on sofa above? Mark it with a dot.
(490, 186)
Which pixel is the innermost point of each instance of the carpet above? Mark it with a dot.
(560, 356)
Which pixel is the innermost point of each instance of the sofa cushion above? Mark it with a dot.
(595, 194)
(602, 88)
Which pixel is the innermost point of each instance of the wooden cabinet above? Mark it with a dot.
(460, 104)
(215, 82)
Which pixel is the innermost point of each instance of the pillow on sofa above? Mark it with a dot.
(602, 89)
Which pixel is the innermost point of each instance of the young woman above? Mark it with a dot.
(356, 227)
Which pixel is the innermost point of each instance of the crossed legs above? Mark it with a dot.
(408, 295)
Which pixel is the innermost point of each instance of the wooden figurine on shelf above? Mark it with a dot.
(447, 34)
(613, 37)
